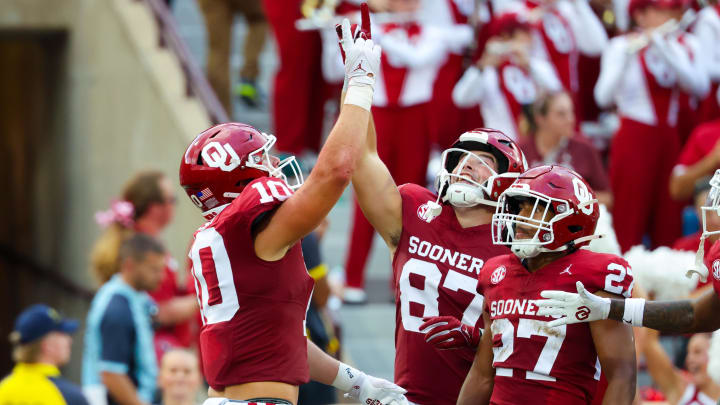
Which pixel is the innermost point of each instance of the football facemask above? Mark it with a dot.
(711, 207)
(462, 189)
(261, 159)
(545, 213)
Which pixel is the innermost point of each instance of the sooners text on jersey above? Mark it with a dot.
(253, 311)
(536, 364)
(435, 272)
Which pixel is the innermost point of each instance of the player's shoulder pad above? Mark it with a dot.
(258, 196)
(410, 191)
(493, 263)
(603, 272)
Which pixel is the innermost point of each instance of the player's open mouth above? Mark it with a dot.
(464, 178)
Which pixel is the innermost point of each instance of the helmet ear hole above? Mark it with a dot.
(200, 160)
(575, 228)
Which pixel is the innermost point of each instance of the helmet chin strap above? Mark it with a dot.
(526, 251)
(465, 195)
(699, 267)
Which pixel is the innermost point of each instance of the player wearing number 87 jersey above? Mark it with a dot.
(250, 278)
(545, 217)
(438, 244)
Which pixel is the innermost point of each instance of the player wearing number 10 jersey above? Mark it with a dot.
(438, 250)
(545, 217)
(250, 278)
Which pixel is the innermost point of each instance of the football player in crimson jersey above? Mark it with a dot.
(438, 244)
(252, 285)
(545, 217)
(682, 316)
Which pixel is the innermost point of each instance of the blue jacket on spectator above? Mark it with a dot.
(119, 339)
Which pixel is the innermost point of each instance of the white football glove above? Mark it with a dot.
(368, 389)
(376, 391)
(362, 58)
(573, 308)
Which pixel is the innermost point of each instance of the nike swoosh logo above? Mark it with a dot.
(627, 321)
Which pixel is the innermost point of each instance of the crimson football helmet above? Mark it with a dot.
(223, 159)
(460, 189)
(564, 212)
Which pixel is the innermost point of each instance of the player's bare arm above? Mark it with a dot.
(377, 192)
(304, 211)
(616, 351)
(478, 384)
(683, 316)
(374, 187)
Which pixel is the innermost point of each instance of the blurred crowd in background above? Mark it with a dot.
(624, 92)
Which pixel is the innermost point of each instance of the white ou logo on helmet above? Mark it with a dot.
(583, 195)
(716, 269)
(216, 155)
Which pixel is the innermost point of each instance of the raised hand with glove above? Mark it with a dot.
(362, 62)
(357, 31)
(446, 332)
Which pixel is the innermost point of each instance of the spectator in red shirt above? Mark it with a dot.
(554, 141)
(147, 206)
(699, 158)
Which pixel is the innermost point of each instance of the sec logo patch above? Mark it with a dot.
(429, 211)
(716, 269)
(498, 275)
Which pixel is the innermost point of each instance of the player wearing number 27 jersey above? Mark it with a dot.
(439, 244)
(545, 217)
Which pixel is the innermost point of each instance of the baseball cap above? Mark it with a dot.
(39, 320)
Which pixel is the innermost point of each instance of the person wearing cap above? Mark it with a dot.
(41, 342)
(119, 362)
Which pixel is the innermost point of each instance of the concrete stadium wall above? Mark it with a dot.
(120, 107)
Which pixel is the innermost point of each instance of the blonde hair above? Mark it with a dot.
(141, 191)
(25, 353)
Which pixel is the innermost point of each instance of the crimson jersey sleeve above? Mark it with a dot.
(606, 272)
(259, 197)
